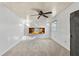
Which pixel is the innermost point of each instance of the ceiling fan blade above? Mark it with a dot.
(41, 12)
(48, 13)
(38, 17)
(45, 16)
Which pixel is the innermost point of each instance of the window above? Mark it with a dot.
(54, 23)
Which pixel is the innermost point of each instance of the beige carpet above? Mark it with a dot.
(37, 47)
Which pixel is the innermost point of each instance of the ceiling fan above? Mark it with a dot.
(41, 13)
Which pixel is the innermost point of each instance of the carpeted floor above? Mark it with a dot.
(37, 47)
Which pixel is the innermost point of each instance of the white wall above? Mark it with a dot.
(10, 31)
(62, 35)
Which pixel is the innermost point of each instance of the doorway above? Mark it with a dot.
(74, 33)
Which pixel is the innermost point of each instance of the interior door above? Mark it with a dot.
(74, 31)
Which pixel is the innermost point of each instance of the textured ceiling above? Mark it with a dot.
(24, 8)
